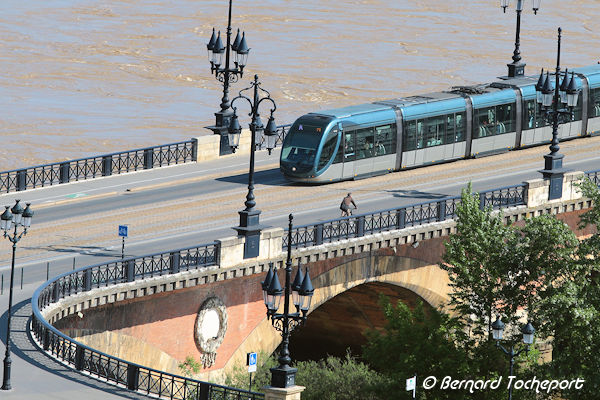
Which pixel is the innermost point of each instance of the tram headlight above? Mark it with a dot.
(294, 169)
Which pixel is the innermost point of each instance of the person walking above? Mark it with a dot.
(345, 206)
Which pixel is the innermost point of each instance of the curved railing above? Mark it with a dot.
(114, 370)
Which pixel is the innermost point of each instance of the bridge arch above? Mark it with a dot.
(408, 278)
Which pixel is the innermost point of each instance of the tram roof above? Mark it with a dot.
(352, 110)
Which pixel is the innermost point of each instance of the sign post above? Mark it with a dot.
(411, 384)
(123, 233)
(251, 359)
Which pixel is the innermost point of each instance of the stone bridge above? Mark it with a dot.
(216, 313)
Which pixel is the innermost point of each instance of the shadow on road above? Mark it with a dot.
(417, 194)
(23, 347)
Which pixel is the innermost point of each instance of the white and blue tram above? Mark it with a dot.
(374, 138)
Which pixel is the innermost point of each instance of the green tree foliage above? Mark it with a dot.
(329, 379)
(505, 269)
(340, 379)
(570, 312)
(189, 367)
(415, 341)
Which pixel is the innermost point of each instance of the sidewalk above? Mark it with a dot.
(34, 374)
(141, 180)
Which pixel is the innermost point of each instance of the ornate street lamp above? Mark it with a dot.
(301, 290)
(16, 217)
(249, 217)
(517, 67)
(497, 333)
(556, 104)
(226, 74)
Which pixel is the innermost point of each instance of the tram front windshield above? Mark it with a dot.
(302, 142)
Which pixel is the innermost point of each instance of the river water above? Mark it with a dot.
(83, 77)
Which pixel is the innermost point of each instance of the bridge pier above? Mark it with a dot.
(289, 393)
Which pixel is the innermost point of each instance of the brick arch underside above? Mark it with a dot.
(398, 277)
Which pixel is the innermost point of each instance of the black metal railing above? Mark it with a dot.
(594, 176)
(107, 164)
(282, 130)
(97, 166)
(398, 218)
(112, 369)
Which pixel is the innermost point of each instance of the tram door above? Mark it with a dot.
(364, 147)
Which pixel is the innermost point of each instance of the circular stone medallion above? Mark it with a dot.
(210, 328)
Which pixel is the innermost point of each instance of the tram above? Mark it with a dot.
(468, 121)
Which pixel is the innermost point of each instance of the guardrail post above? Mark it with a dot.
(175, 262)
(64, 172)
(130, 265)
(148, 158)
(318, 234)
(106, 165)
(204, 391)
(441, 209)
(482, 201)
(194, 149)
(46, 343)
(360, 226)
(401, 218)
(55, 291)
(133, 377)
(21, 180)
(79, 353)
(87, 280)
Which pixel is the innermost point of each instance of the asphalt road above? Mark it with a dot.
(191, 204)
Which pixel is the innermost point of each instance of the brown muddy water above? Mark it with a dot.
(82, 77)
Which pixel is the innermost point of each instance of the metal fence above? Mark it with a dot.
(97, 166)
(106, 165)
(112, 369)
(398, 218)
(594, 176)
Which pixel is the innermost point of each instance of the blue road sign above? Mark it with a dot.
(123, 230)
(252, 359)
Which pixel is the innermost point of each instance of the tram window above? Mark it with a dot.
(483, 127)
(435, 131)
(349, 153)
(339, 156)
(385, 140)
(594, 102)
(505, 114)
(450, 132)
(409, 136)
(364, 143)
(328, 149)
(529, 117)
(460, 127)
(495, 120)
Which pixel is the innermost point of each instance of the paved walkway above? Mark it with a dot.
(34, 374)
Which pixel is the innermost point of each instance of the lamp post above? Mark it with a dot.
(302, 290)
(548, 99)
(226, 74)
(517, 67)
(249, 217)
(498, 332)
(18, 217)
